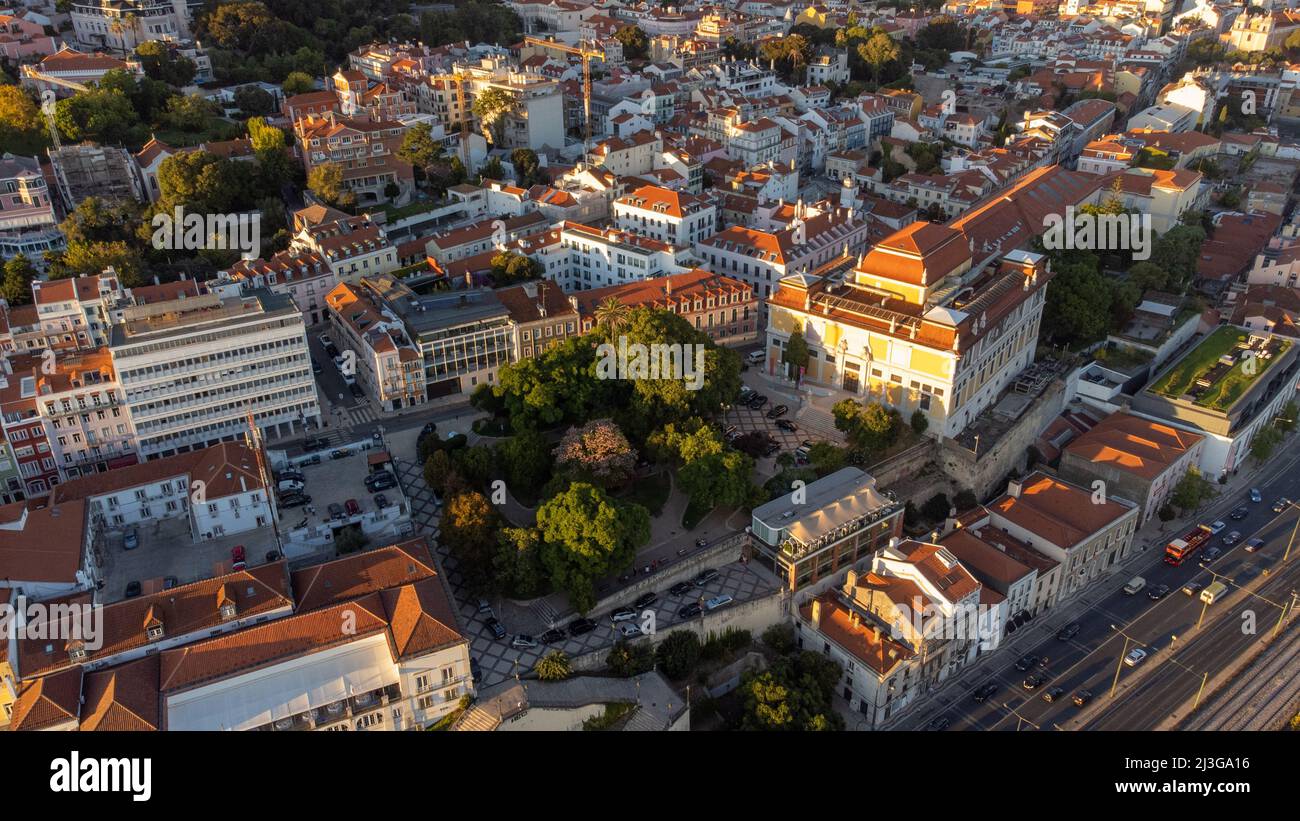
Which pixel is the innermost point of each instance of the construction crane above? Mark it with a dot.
(586, 54)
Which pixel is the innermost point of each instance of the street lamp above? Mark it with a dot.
(1119, 664)
(1204, 676)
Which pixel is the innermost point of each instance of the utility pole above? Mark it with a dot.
(1119, 664)
(1204, 676)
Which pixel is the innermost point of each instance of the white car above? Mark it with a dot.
(1135, 657)
(628, 630)
(718, 601)
(1217, 528)
(524, 642)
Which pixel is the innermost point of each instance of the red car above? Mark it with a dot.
(352, 507)
(237, 556)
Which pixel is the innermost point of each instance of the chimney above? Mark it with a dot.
(817, 613)
(668, 285)
(850, 582)
(1014, 486)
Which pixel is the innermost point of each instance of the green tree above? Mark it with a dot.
(160, 63)
(554, 666)
(419, 148)
(468, 528)
(16, 287)
(635, 43)
(525, 459)
(612, 314)
(796, 354)
(254, 100)
(326, 182)
(877, 52)
(586, 536)
(491, 106)
(677, 655)
(795, 693)
(629, 660)
(22, 128)
(1192, 491)
(919, 422)
(1265, 442)
(297, 82)
(518, 562)
(98, 116)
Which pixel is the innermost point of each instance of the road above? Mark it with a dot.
(1157, 688)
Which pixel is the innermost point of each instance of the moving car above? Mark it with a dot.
(1082, 697)
(1256, 496)
(1239, 513)
(755, 357)
(1281, 504)
(1032, 682)
(1068, 632)
(1135, 585)
(1026, 662)
(1254, 544)
(237, 557)
(524, 642)
(1232, 538)
(497, 628)
(1192, 588)
(786, 425)
(1217, 528)
(1212, 593)
(1053, 694)
(1210, 556)
(1158, 592)
(718, 601)
(689, 611)
(940, 723)
(982, 694)
(1135, 657)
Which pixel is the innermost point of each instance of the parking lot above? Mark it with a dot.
(747, 420)
(167, 549)
(336, 482)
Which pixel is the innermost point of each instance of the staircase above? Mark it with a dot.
(476, 719)
(813, 419)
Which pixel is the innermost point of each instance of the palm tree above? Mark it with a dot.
(612, 314)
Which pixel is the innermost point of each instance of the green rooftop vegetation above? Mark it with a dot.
(1226, 384)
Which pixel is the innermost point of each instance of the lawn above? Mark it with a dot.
(694, 515)
(651, 492)
(218, 130)
(1229, 387)
(412, 208)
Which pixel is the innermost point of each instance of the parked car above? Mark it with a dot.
(1158, 592)
(335, 510)
(383, 480)
(705, 577)
(1026, 662)
(645, 600)
(771, 449)
(1281, 504)
(1068, 632)
(718, 601)
(340, 453)
(294, 500)
(1254, 544)
(701, 542)
(131, 540)
(1053, 694)
(689, 611)
(680, 589)
(497, 628)
(524, 642)
(1232, 538)
(581, 626)
(315, 443)
(757, 402)
(628, 630)
(237, 557)
(315, 366)
(1217, 528)
(1210, 555)
(1192, 588)
(1135, 657)
(474, 669)
(1256, 496)
(778, 411)
(622, 614)
(289, 485)
(356, 390)
(325, 340)
(1082, 697)
(485, 606)
(291, 474)
(132, 589)
(552, 636)
(984, 693)
(787, 425)
(352, 507)
(381, 501)
(1239, 513)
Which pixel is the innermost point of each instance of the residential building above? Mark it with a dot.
(304, 276)
(365, 151)
(542, 317)
(672, 217)
(386, 363)
(724, 308)
(28, 224)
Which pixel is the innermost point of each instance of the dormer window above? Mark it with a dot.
(77, 651)
(227, 611)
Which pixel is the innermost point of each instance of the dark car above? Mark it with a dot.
(1053, 694)
(1026, 662)
(1082, 697)
(705, 577)
(356, 390)
(497, 628)
(1232, 538)
(294, 500)
(771, 449)
(315, 443)
(940, 723)
(581, 626)
(293, 475)
(701, 542)
(335, 510)
(1068, 632)
(552, 636)
(1210, 555)
(681, 588)
(786, 425)
(1032, 682)
(690, 611)
(340, 453)
(381, 501)
(380, 481)
(645, 600)
(984, 693)
(315, 366)
(1254, 544)
(1192, 588)
(170, 582)
(757, 402)
(1281, 504)
(474, 669)
(1239, 513)
(778, 411)
(1158, 592)
(132, 589)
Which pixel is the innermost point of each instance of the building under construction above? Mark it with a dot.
(90, 170)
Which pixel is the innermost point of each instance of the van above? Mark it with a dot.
(289, 485)
(1212, 592)
(756, 357)
(1135, 586)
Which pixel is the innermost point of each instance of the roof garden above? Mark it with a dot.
(1218, 371)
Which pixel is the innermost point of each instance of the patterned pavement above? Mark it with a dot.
(497, 659)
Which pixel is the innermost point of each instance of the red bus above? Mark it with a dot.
(1184, 546)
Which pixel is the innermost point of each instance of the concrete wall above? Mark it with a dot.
(984, 474)
(684, 569)
(903, 465)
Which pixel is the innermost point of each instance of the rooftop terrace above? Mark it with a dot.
(1219, 370)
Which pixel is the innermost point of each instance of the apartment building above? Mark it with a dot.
(724, 308)
(28, 224)
(351, 247)
(303, 276)
(599, 257)
(365, 151)
(86, 422)
(193, 370)
(386, 363)
(755, 142)
(672, 217)
(67, 71)
(483, 235)
(1165, 195)
(24, 426)
(542, 317)
(120, 25)
(1138, 459)
(21, 39)
(379, 102)
(1065, 522)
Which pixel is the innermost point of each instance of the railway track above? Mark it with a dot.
(1263, 696)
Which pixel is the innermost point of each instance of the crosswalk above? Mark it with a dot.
(360, 415)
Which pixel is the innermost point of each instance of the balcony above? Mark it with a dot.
(341, 710)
